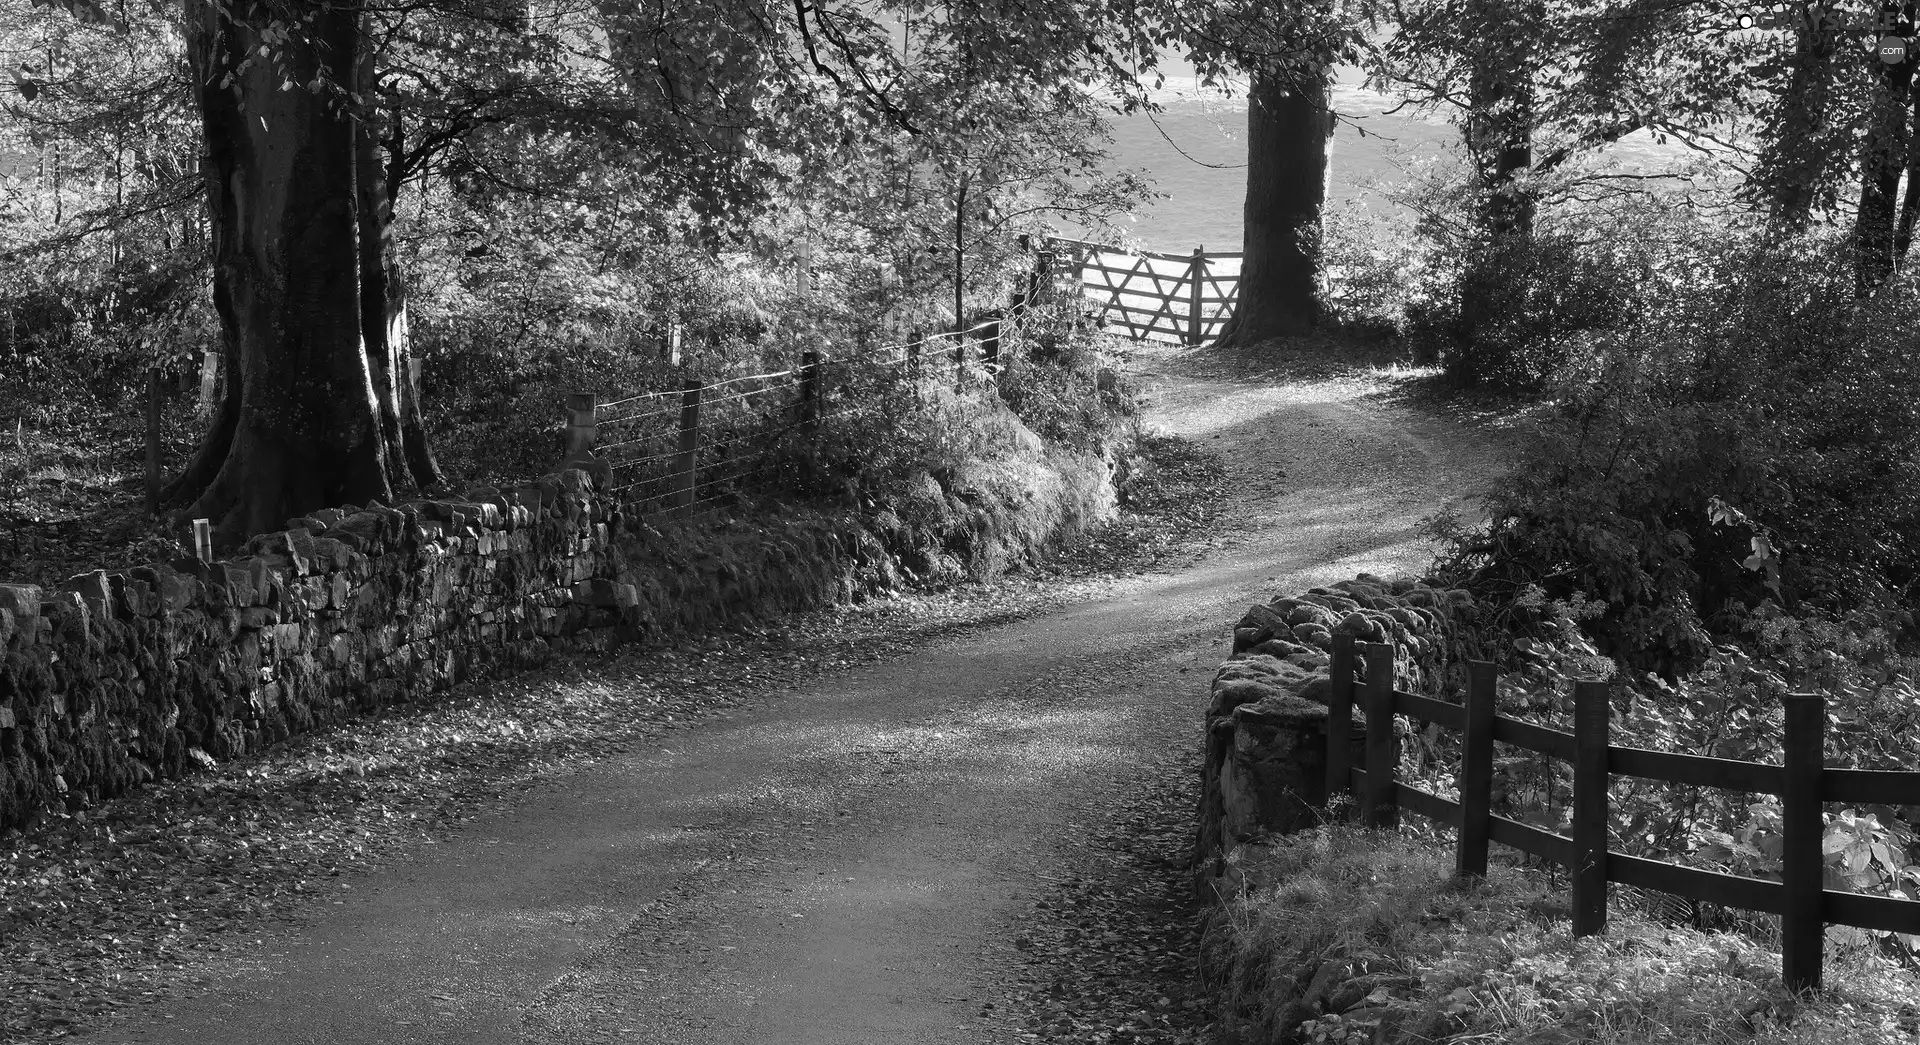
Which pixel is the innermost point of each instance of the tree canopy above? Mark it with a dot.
(456, 176)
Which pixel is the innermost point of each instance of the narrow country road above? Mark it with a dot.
(854, 862)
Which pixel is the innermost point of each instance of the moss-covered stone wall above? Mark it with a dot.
(118, 678)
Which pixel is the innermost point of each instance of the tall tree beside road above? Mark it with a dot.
(302, 428)
(1289, 148)
(1288, 52)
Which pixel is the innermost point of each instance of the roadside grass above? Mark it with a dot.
(1351, 935)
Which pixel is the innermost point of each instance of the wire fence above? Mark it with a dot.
(699, 450)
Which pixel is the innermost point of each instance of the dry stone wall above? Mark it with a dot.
(122, 677)
(1265, 760)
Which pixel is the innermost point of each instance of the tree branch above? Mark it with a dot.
(839, 40)
(1605, 136)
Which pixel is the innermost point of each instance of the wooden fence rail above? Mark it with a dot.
(1803, 784)
(1151, 292)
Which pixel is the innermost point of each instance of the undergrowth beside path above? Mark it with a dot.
(1362, 936)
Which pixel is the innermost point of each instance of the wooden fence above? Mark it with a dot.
(1802, 783)
(685, 452)
(1185, 297)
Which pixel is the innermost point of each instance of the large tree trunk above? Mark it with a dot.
(383, 313)
(1289, 143)
(1874, 232)
(1910, 199)
(301, 425)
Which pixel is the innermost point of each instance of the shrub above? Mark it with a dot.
(1512, 313)
(1050, 388)
(1371, 275)
(1052, 380)
(1750, 434)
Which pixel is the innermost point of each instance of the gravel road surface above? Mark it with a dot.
(921, 847)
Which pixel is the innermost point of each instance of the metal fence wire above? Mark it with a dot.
(702, 449)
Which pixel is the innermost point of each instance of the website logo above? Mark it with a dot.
(1820, 17)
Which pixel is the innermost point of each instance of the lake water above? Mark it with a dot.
(1197, 151)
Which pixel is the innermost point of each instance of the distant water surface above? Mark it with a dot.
(1196, 155)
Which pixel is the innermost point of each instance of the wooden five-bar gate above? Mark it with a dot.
(1149, 294)
(1802, 783)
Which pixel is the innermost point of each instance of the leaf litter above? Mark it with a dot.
(1109, 955)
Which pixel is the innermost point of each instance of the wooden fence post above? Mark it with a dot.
(1589, 871)
(1340, 718)
(685, 461)
(209, 373)
(1378, 805)
(809, 390)
(1040, 280)
(1019, 304)
(581, 421)
(803, 266)
(1476, 772)
(203, 541)
(1196, 275)
(1802, 932)
(153, 440)
(990, 350)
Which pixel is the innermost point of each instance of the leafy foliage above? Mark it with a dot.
(1371, 275)
(1729, 707)
(1744, 432)
(1055, 382)
(1541, 294)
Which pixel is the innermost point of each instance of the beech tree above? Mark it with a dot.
(1289, 149)
(1499, 43)
(1880, 232)
(306, 145)
(1797, 162)
(321, 409)
(1806, 99)
(1287, 51)
(314, 118)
